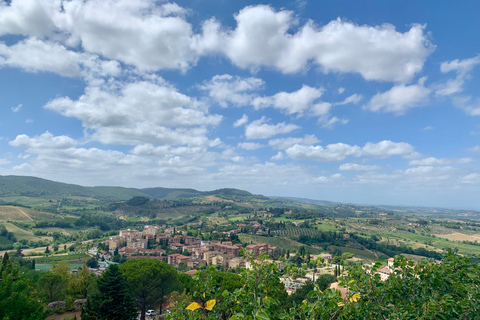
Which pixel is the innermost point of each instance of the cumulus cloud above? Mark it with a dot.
(259, 129)
(354, 98)
(339, 151)
(285, 143)
(279, 156)
(462, 68)
(432, 161)
(298, 102)
(157, 36)
(29, 17)
(232, 90)
(471, 178)
(357, 167)
(468, 104)
(399, 98)
(325, 179)
(4, 161)
(250, 145)
(35, 55)
(44, 141)
(241, 121)
(17, 108)
(139, 112)
(263, 37)
(329, 122)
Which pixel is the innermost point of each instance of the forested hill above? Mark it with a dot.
(37, 187)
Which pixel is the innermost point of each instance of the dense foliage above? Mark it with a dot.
(427, 290)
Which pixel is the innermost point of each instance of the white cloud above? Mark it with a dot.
(474, 149)
(250, 145)
(232, 90)
(258, 129)
(17, 108)
(327, 122)
(44, 141)
(387, 148)
(354, 98)
(28, 17)
(462, 68)
(139, 33)
(325, 179)
(4, 161)
(156, 36)
(468, 104)
(472, 178)
(241, 121)
(399, 98)
(357, 167)
(298, 102)
(278, 156)
(35, 55)
(340, 90)
(263, 37)
(285, 143)
(331, 153)
(139, 112)
(432, 161)
(339, 151)
(428, 128)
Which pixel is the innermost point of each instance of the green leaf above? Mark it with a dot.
(262, 315)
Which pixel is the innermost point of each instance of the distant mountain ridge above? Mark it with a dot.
(37, 187)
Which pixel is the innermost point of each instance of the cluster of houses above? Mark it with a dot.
(195, 252)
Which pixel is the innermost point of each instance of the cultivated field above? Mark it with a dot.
(280, 242)
(13, 213)
(460, 237)
(23, 234)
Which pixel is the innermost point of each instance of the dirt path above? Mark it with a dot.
(26, 215)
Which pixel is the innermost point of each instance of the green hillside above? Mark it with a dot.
(24, 186)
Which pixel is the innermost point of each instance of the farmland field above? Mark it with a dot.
(13, 213)
(280, 242)
(295, 231)
(362, 254)
(431, 242)
(460, 237)
(23, 234)
(325, 227)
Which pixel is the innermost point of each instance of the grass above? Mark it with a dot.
(4, 241)
(362, 254)
(439, 243)
(238, 217)
(48, 266)
(23, 234)
(325, 227)
(283, 219)
(73, 257)
(280, 242)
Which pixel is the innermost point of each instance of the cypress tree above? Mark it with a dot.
(112, 301)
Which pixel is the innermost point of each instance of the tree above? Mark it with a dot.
(92, 263)
(149, 281)
(84, 284)
(112, 301)
(51, 286)
(47, 250)
(18, 299)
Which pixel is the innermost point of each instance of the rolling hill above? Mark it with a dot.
(42, 188)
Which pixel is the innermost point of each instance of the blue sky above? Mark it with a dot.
(355, 101)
